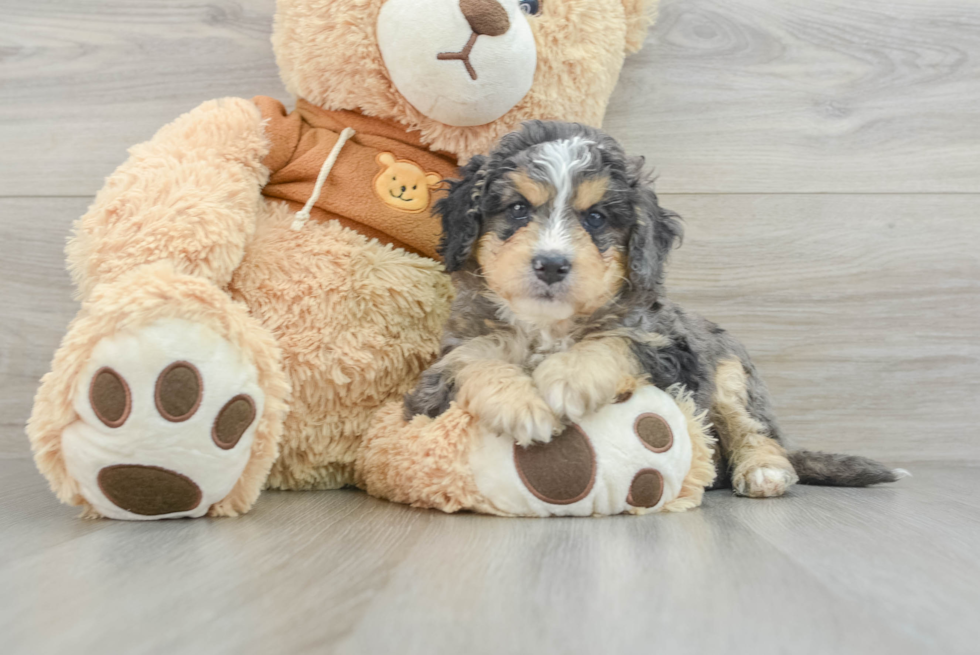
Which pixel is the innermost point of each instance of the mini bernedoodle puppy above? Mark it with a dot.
(557, 245)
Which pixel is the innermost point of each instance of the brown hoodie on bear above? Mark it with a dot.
(382, 184)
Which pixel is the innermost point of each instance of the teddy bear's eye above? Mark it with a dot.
(394, 177)
(531, 7)
(414, 187)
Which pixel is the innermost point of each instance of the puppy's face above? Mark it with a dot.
(555, 231)
(558, 221)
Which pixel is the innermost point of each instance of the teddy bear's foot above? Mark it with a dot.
(633, 456)
(167, 416)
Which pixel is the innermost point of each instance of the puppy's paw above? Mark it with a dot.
(529, 422)
(504, 400)
(574, 390)
(763, 482)
(527, 419)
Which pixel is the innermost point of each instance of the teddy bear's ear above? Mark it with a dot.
(386, 159)
(640, 14)
(461, 216)
(432, 179)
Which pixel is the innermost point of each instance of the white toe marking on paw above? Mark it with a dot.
(766, 482)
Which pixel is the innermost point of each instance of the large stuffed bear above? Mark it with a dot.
(256, 283)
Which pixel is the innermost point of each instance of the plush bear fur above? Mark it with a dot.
(328, 322)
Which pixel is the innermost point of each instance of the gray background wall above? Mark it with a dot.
(825, 153)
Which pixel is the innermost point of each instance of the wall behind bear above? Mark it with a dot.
(825, 153)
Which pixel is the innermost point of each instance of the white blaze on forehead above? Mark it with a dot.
(560, 161)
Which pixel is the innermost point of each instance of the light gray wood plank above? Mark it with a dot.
(728, 96)
(807, 96)
(82, 81)
(891, 564)
(36, 296)
(862, 311)
(886, 570)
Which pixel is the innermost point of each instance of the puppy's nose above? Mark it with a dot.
(485, 16)
(551, 269)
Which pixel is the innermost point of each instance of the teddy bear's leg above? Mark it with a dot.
(424, 462)
(357, 321)
(165, 399)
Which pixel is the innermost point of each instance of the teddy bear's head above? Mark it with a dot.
(463, 72)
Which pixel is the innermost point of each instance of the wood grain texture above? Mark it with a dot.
(862, 311)
(81, 81)
(727, 96)
(889, 570)
(801, 96)
(36, 296)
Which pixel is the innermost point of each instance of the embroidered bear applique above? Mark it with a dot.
(402, 184)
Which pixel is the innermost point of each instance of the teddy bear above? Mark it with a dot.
(256, 283)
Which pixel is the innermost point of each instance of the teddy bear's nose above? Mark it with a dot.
(485, 16)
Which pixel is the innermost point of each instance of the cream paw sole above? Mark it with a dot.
(167, 417)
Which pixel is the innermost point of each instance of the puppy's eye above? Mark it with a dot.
(519, 211)
(595, 220)
(531, 7)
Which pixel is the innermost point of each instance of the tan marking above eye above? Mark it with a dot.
(589, 192)
(536, 193)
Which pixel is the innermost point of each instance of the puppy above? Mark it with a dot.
(557, 245)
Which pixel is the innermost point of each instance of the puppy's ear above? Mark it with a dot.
(461, 216)
(656, 232)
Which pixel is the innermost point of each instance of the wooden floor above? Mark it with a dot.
(826, 157)
(824, 571)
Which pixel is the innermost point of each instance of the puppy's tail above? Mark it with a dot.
(833, 470)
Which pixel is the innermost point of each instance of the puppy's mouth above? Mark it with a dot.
(541, 302)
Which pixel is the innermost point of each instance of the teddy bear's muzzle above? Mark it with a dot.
(460, 62)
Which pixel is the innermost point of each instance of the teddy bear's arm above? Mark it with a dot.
(188, 196)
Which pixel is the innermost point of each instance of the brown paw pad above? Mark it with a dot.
(110, 397)
(647, 489)
(179, 391)
(148, 490)
(233, 420)
(654, 432)
(560, 472)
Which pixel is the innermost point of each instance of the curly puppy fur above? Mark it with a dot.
(557, 244)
